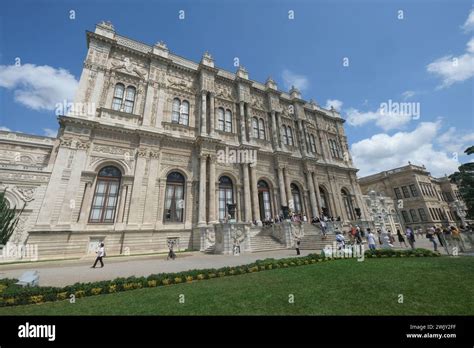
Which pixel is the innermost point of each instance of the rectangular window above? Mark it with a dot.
(398, 194)
(413, 215)
(413, 190)
(405, 216)
(422, 213)
(405, 192)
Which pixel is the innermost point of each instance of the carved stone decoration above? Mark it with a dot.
(181, 85)
(26, 193)
(128, 67)
(83, 145)
(142, 152)
(66, 142)
(154, 154)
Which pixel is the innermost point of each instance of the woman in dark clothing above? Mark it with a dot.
(401, 239)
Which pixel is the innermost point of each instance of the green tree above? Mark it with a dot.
(464, 178)
(9, 218)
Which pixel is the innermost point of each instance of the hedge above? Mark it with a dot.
(13, 295)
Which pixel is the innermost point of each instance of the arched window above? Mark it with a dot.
(220, 119)
(255, 127)
(106, 195)
(175, 110)
(324, 202)
(264, 200)
(261, 129)
(180, 112)
(226, 196)
(312, 143)
(334, 147)
(283, 135)
(129, 99)
(289, 134)
(228, 121)
(295, 193)
(118, 96)
(184, 113)
(174, 198)
(347, 199)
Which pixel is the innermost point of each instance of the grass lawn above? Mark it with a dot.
(430, 286)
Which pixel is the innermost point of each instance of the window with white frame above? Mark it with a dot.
(180, 112)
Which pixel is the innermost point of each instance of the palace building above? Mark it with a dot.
(141, 157)
(412, 197)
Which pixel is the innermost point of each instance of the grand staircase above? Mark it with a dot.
(312, 239)
(262, 240)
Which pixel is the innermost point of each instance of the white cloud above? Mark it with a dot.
(38, 87)
(469, 24)
(455, 141)
(453, 69)
(408, 94)
(382, 151)
(50, 132)
(384, 120)
(292, 79)
(5, 129)
(336, 104)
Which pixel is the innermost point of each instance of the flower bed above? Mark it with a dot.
(12, 295)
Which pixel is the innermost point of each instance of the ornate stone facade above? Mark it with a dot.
(419, 200)
(161, 121)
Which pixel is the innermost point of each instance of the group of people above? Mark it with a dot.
(444, 236)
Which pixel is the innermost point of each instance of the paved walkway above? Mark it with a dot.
(66, 272)
(61, 273)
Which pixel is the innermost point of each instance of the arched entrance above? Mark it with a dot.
(226, 196)
(264, 201)
(295, 193)
(347, 199)
(324, 202)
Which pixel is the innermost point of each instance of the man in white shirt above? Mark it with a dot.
(100, 255)
(371, 239)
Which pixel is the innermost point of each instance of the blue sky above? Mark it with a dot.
(423, 55)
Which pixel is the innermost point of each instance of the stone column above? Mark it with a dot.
(160, 109)
(50, 197)
(312, 195)
(70, 201)
(136, 211)
(289, 196)
(281, 184)
(86, 202)
(203, 113)
(255, 206)
(212, 190)
(212, 114)
(147, 113)
(276, 143)
(202, 192)
(247, 204)
(318, 194)
(151, 200)
(301, 139)
(243, 132)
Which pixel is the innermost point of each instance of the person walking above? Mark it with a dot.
(401, 239)
(430, 234)
(411, 237)
(340, 240)
(297, 244)
(171, 254)
(100, 255)
(371, 239)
